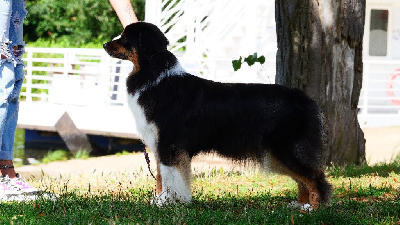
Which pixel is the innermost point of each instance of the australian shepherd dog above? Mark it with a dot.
(179, 115)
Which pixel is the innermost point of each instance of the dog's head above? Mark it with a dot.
(139, 38)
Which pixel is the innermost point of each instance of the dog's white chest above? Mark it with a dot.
(147, 130)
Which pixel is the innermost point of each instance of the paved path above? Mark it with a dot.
(383, 144)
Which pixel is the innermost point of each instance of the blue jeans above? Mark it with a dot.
(12, 14)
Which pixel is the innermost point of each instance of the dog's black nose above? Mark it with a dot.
(105, 45)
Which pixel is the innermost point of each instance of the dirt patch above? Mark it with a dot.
(383, 145)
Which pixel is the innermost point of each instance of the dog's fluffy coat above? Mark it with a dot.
(179, 115)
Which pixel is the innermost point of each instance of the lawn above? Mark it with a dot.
(362, 195)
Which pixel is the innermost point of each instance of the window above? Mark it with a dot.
(378, 32)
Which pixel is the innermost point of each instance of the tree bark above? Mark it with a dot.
(320, 52)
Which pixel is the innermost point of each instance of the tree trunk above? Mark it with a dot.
(320, 52)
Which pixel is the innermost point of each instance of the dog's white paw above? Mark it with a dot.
(168, 197)
(302, 207)
(160, 200)
(294, 205)
(306, 207)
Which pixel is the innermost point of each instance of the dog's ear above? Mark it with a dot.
(146, 38)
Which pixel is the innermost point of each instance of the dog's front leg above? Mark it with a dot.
(159, 180)
(173, 182)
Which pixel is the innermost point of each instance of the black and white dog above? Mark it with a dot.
(180, 115)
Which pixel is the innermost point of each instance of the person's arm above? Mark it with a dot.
(124, 11)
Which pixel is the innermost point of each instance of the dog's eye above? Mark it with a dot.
(123, 40)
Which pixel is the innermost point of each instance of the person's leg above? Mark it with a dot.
(10, 124)
(12, 15)
(7, 79)
(12, 186)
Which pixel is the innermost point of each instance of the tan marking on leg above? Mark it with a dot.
(314, 196)
(159, 180)
(185, 169)
(303, 196)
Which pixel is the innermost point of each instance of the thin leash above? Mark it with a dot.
(146, 156)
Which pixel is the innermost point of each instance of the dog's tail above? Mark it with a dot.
(324, 188)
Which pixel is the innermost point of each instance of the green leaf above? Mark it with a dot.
(251, 59)
(261, 59)
(237, 64)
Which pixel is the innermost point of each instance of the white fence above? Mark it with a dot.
(72, 76)
(85, 83)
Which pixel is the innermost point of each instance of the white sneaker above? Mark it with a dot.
(21, 185)
(17, 189)
(5, 188)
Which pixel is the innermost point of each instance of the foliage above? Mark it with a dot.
(250, 60)
(124, 152)
(57, 155)
(74, 22)
(82, 154)
(62, 155)
(219, 197)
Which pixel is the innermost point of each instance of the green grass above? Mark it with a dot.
(362, 195)
(369, 196)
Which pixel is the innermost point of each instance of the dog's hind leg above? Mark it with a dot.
(314, 196)
(312, 184)
(173, 181)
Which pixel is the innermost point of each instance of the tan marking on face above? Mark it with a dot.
(131, 56)
(135, 60)
(118, 51)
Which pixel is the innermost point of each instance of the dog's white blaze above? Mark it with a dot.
(176, 70)
(147, 130)
(117, 37)
(174, 186)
